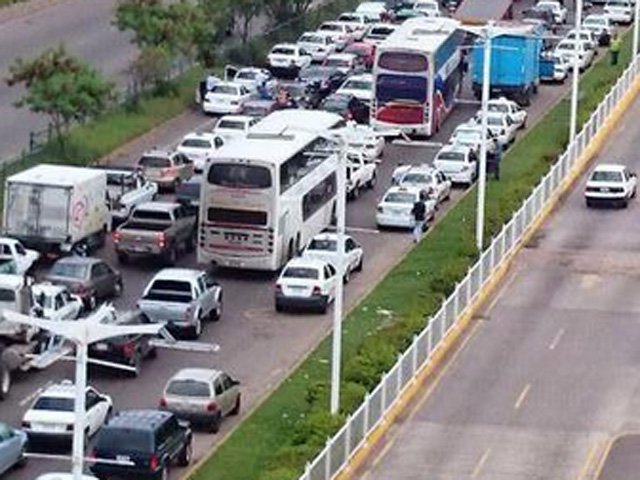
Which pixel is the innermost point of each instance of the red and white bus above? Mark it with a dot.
(418, 72)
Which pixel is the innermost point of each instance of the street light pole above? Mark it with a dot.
(341, 207)
(482, 177)
(573, 122)
(636, 29)
(80, 423)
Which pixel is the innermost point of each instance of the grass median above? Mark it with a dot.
(293, 423)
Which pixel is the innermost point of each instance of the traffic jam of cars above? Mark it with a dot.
(258, 192)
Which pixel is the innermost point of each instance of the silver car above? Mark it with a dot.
(202, 395)
(13, 445)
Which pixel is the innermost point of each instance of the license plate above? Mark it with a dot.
(605, 189)
(140, 248)
(101, 347)
(123, 458)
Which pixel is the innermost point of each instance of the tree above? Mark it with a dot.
(149, 69)
(246, 11)
(284, 10)
(61, 87)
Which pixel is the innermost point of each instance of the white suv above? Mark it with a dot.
(619, 11)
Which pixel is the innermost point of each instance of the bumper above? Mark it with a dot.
(410, 129)
(460, 177)
(620, 17)
(221, 109)
(142, 250)
(194, 417)
(109, 471)
(605, 199)
(315, 302)
(386, 220)
(40, 437)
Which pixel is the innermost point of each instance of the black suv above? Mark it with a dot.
(150, 440)
(129, 350)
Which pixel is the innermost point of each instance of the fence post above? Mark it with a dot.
(383, 406)
(327, 465)
(365, 424)
(456, 304)
(399, 375)
(430, 340)
(347, 443)
(414, 357)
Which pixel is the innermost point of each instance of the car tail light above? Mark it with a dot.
(93, 453)
(212, 407)
(78, 289)
(128, 349)
(26, 424)
(316, 290)
(278, 288)
(163, 402)
(153, 461)
(168, 171)
(161, 238)
(117, 236)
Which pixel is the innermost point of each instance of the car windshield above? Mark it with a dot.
(309, 38)
(225, 89)
(357, 85)
(451, 157)
(283, 51)
(69, 270)
(399, 197)
(55, 404)
(154, 162)
(123, 439)
(415, 178)
(246, 75)
(467, 135)
(380, 32)
(195, 143)
(595, 21)
(330, 27)
(335, 102)
(188, 388)
(231, 125)
(300, 272)
(336, 62)
(324, 244)
(498, 107)
(120, 179)
(494, 121)
(606, 176)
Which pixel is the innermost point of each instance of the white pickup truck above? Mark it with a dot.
(23, 258)
(361, 173)
(126, 189)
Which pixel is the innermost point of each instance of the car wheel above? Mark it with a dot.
(196, 329)
(5, 381)
(117, 289)
(22, 460)
(185, 455)
(136, 363)
(214, 426)
(123, 258)
(589, 203)
(236, 407)
(324, 305)
(360, 265)
(216, 313)
(372, 182)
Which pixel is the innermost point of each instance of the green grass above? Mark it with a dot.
(290, 427)
(5, 3)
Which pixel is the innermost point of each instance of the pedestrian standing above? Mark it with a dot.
(614, 48)
(419, 212)
(496, 159)
(211, 81)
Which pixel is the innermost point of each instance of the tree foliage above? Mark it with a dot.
(61, 87)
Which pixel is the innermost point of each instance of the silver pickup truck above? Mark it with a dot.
(183, 299)
(158, 229)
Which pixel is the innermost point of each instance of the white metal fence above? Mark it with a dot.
(339, 449)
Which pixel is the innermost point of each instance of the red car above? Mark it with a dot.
(365, 52)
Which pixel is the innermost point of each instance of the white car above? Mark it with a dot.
(234, 126)
(198, 147)
(619, 11)
(511, 108)
(378, 33)
(458, 163)
(319, 44)
(558, 11)
(360, 174)
(425, 177)
(225, 98)
(561, 68)
(360, 86)
(23, 258)
(601, 26)
(340, 32)
(501, 126)
(470, 135)
(51, 416)
(345, 62)
(55, 302)
(251, 77)
(569, 48)
(288, 56)
(366, 143)
(586, 36)
(324, 246)
(306, 283)
(610, 184)
(374, 11)
(429, 8)
(394, 210)
(357, 22)
(63, 476)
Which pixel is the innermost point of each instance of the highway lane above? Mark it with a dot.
(550, 370)
(258, 346)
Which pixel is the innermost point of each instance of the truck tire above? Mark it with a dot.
(5, 381)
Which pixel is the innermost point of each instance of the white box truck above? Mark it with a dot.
(56, 208)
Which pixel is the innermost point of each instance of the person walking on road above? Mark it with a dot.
(614, 48)
(419, 212)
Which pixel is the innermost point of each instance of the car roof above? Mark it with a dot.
(343, 56)
(319, 33)
(361, 76)
(157, 152)
(237, 118)
(63, 476)
(205, 135)
(64, 389)
(454, 147)
(178, 274)
(328, 236)
(9, 240)
(79, 260)
(608, 167)
(157, 206)
(305, 262)
(139, 419)
(202, 374)
(284, 45)
(406, 189)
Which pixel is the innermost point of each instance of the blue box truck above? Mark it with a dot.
(515, 63)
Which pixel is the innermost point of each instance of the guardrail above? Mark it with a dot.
(355, 433)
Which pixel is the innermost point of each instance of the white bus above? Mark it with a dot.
(265, 196)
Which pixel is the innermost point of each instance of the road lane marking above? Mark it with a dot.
(522, 397)
(556, 340)
(35, 393)
(483, 459)
(605, 454)
(587, 463)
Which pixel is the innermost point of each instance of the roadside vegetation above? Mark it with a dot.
(293, 423)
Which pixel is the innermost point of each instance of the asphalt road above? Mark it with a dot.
(257, 346)
(550, 371)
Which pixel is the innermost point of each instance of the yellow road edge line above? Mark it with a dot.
(605, 454)
(407, 394)
(522, 397)
(586, 466)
